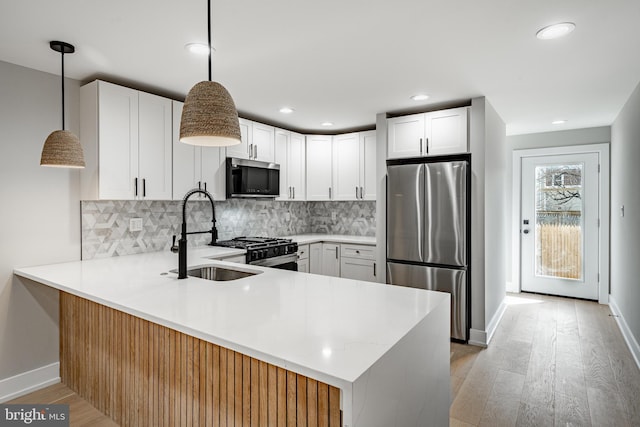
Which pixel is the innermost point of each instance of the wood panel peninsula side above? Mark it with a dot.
(278, 348)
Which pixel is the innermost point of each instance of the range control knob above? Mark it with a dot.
(254, 255)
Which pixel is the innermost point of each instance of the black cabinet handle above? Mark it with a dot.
(420, 145)
(144, 187)
(135, 185)
(205, 186)
(374, 270)
(427, 139)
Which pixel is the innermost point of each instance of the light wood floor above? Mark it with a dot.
(552, 361)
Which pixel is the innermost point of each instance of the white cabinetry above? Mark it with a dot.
(126, 136)
(303, 258)
(195, 167)
(290, 155)
(354, 166)
(319, 165)
(433, 133)
(331, 259)
(358, 262)
(257, 142)
(315, 258)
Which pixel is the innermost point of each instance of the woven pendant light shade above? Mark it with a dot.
(62, 149)
(209, 117)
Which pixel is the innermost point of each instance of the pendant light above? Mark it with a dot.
(209, 115)
(62, 148)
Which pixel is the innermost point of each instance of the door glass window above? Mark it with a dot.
(559, 220)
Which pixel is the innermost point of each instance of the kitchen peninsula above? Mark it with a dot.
(275, 348)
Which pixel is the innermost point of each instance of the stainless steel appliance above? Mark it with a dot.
(266, 251)
(251, 178)
(428, 225)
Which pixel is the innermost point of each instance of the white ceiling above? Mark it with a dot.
(347, 60)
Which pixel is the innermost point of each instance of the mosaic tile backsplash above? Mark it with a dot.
(105, 223)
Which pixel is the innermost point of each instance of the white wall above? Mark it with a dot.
(488, 217)
(40, 215)
(625, 231)
(542, 140)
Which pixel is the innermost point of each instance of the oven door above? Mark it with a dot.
(283, 262)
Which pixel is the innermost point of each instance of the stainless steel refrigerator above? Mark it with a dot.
(428, 225)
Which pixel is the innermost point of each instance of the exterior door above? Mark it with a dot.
(559, 225)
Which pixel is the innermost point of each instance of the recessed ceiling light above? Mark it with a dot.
(198, 48)
(558, 122)
(420, 97)
(327, 124)
(286, 110)
(556, 30)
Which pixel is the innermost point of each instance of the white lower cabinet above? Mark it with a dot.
(358, 262)
(315, 258)
(331, 259)
(303, 258)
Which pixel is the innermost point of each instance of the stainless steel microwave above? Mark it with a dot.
(251, 178)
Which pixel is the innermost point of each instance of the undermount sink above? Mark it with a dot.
(218, 273)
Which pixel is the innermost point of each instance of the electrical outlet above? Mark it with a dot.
(135, 224)
(334, 216)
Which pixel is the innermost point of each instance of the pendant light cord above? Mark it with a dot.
(209, 33)
(62, 78)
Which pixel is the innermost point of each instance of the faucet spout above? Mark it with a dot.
(182, 243)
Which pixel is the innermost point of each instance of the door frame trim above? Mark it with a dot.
(604, 203)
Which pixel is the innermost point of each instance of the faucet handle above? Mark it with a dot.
(174, 247)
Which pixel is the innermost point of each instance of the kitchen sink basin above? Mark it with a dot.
(218, 273)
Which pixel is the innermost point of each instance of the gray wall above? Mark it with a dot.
(543, 140)
(625, 231)
(40, 217)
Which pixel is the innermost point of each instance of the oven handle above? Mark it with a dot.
(277, 260)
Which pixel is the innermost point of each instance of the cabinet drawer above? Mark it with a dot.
(303, 252)
(359, 251)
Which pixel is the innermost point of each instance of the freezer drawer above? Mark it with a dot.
(436, 279)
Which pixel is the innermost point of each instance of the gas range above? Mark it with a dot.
(266, 251)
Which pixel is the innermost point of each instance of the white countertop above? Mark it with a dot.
(303, 239)
(327, 328)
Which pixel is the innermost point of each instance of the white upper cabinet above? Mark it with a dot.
(354, 166)
(195, 167)
(368, 165)
(434, 133)
(242, 150)
(290, 155)
(262, 147)
(258, 142)
(319, 166)
(126, 136)
(154, 146)
(346, 166)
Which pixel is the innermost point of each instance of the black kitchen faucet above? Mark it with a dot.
(181, 248)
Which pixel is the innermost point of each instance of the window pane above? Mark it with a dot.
(559, 220)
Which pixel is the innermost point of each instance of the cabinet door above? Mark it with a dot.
(213, 175)
(405, 134)
(263, 142)
(241, 150)
(331, 259)
(155, 138)
(186, 164)
(319, 167)
(296, 166)
(368, 165)
(282, 155)
(358, 269)
(315, 258)
(303, 265)
(446, 131)
(117, 141)
(346, 166)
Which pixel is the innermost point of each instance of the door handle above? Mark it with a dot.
(255, 151)
(420, 145)
(525, 231)
(361, 196)
(336, 252)
(205, 186)
(427, 144)
(294, 192)
(135, 185)
(357, 193)
(374, 270)
(329, 192)
(144, 187)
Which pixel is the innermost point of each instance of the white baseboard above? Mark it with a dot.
(483, 338)
(26, 382)
(632, 343)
